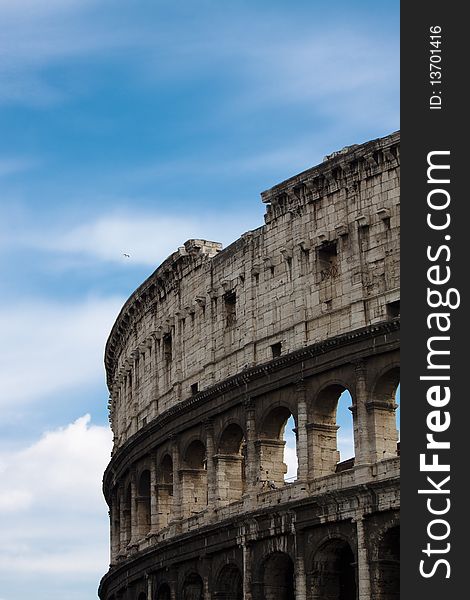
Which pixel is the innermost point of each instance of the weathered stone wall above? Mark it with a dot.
(208, 361)
(325, 263)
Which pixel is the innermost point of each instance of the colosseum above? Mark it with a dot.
(209, 359)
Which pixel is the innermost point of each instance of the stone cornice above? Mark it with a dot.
(340, 169)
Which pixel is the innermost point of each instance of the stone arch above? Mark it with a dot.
(163, 592)
(333, 572)
(143, 503)
(323, 429)
(387, 574)
(193, 587)
(278, 577)
(381, 410)
(230, 464)
(271, 446)
(165, 478)
(194, 478)
(229, 583)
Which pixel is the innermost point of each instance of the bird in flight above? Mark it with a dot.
(126, 255)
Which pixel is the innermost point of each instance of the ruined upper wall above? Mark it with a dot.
(325, 262)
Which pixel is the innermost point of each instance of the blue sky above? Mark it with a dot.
(131, 127)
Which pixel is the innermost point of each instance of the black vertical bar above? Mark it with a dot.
(433, 119)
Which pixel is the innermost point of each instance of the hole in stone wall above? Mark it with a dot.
(194, 388)
(230, 303)
(167, 347)
(327, 260)
(276, 349)
(393, 309)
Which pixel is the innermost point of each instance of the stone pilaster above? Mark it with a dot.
(211, 475)
(154, 520)
(363, 574)
(301, 432)
(177, 491)
(360, 417)
(252, 464)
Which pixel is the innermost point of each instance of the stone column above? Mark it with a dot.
(149, 587)
(247, 572)
(363, 574)
(301, 432)
(122, 518)
(134, 511)
(154, 521)
(177, 495)
(210, 465)
(360, 417)
(251, 463)
(299, 572)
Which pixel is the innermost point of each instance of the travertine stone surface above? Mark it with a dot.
(207, 362)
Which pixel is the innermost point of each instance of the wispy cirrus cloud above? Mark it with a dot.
(148, 238)
(52, 347)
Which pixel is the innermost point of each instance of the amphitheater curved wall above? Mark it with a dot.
(205, 364)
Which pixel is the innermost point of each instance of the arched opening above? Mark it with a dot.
(165, 491)
(387, 583)
(278, 577)
(382, 417)
(163, 592)
(143, 503)
(290, 450)
(345, 433)
(334, 575)
(194, 479)
(229, 584)
(127, 512)
(193, 587)
(331, 431)
(230, 465)
(273, 455)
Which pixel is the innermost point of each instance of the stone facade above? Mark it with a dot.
(208, 360)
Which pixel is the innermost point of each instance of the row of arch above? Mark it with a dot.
(222, 465)
(331, 575)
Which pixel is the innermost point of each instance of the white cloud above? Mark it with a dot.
(52, 346)
(60, 524)
(147, 238)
